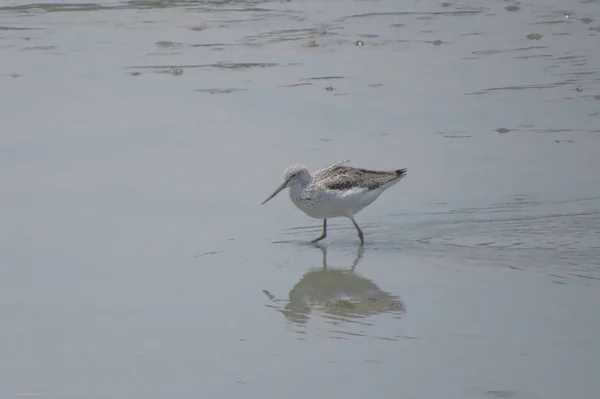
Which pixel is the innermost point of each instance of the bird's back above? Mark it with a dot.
(344, 178)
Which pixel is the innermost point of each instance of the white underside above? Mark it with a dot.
(331, 204)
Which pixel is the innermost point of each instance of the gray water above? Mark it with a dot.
(139, 138)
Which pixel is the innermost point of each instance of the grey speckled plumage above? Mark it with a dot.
(336, 190)
(345, 177)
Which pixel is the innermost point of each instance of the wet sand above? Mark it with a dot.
(139, 138)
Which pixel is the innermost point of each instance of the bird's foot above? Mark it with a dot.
(318, 239)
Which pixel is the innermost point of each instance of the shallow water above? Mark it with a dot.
(139, 138)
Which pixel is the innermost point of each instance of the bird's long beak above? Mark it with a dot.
(284, 185)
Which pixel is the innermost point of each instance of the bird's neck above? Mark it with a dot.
(298, 188)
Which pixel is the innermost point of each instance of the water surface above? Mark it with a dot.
(139, 138)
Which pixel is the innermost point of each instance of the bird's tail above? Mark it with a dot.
(400, 173)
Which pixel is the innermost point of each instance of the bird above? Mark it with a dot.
(336, 191)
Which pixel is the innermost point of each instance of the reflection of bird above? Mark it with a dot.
(336, 191)
(337, 292)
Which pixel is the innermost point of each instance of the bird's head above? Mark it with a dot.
(295, 174)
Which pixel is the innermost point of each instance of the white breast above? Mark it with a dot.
(329, 204)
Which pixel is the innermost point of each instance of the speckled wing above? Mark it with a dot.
(328, 170)
(344, 178)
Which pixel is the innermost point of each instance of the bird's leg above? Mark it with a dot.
(360, 233)
(324, 232)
